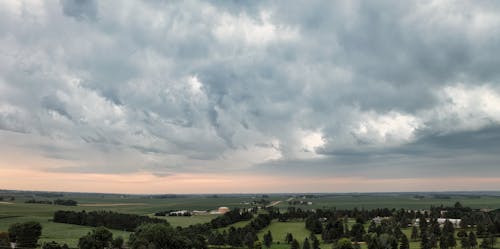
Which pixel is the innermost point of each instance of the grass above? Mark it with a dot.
(61, 233)
(185, 221)
(65, 233)
(280, 229)
(406, 201)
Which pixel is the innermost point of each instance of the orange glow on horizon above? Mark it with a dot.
(147, 183)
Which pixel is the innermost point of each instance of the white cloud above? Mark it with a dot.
(465, 108)
(252, 31)
(180, 86)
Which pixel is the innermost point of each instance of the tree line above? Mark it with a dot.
(109, 219)
(54, 202)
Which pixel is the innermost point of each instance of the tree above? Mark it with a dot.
(25, 234)
(306, 244)
(343, 243)
(472, 240)
(481, 230)
(315, 242)
(443, 242)
(156, 236)
(433, 240)
(249, 240)
(414, 233)
(314, 225)
(387, 241)
(54, 245)
(405, 244)
(294, 244)
(99, 238)
(462, 233)
(268, 239)
(117, 243)
(199, 242)
(450, 240)
(257, 245)
(484, 244)
(465, 243)
(425, 242)
(372, 241)
(491, 240)
(289, 238)
(357, 232)
(448, 227)
(4, 240)
(372, 228)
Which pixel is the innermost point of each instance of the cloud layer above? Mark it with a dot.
(341, 89)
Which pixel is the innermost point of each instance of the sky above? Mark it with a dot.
(249, 96)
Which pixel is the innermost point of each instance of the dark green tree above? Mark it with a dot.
(450, 240)
(465, 243)
(484, 244)
(314, 225)
(289, 238)
(433, 240)
(443, 242)
(372, 241)
(4, 240)
(462, 233)
(315, 241)
(425, 243)
(54, 245)
(357, 232)
(405, 244)
(306, 244)
(257, 245)
(25, 234)
(343, 243)
(99, 238)
(414, 233)
(117, 243)
(268, 239)
(472, 240)
(249, 240)
(372, 228)
(294, 244)
(156, 236)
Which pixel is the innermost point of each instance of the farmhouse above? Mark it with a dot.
(220, 210)
(441, 221)
(179, 213)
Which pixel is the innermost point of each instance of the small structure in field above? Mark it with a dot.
(223, 210)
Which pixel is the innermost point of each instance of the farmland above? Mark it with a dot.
(17, 210)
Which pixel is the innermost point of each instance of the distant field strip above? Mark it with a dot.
(111, 204)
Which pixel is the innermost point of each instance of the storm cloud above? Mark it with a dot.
(379, 89)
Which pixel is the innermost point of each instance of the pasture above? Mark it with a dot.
(18, 211)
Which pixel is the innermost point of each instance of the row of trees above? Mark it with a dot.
(231, 217)
(245, 236)
(127, 222)
(54, 202)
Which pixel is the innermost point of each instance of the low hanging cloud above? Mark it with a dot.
(347, 88)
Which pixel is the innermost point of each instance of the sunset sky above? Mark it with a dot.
(249, 96)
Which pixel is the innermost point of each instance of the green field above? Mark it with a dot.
(280, 229)
(396, 201)
(18, 211)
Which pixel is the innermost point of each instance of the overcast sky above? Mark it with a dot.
(249, 96)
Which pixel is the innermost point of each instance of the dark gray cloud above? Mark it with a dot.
(349, 87)
(80, 9)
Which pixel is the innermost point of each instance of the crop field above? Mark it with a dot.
(19, 211)
(397, 201)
